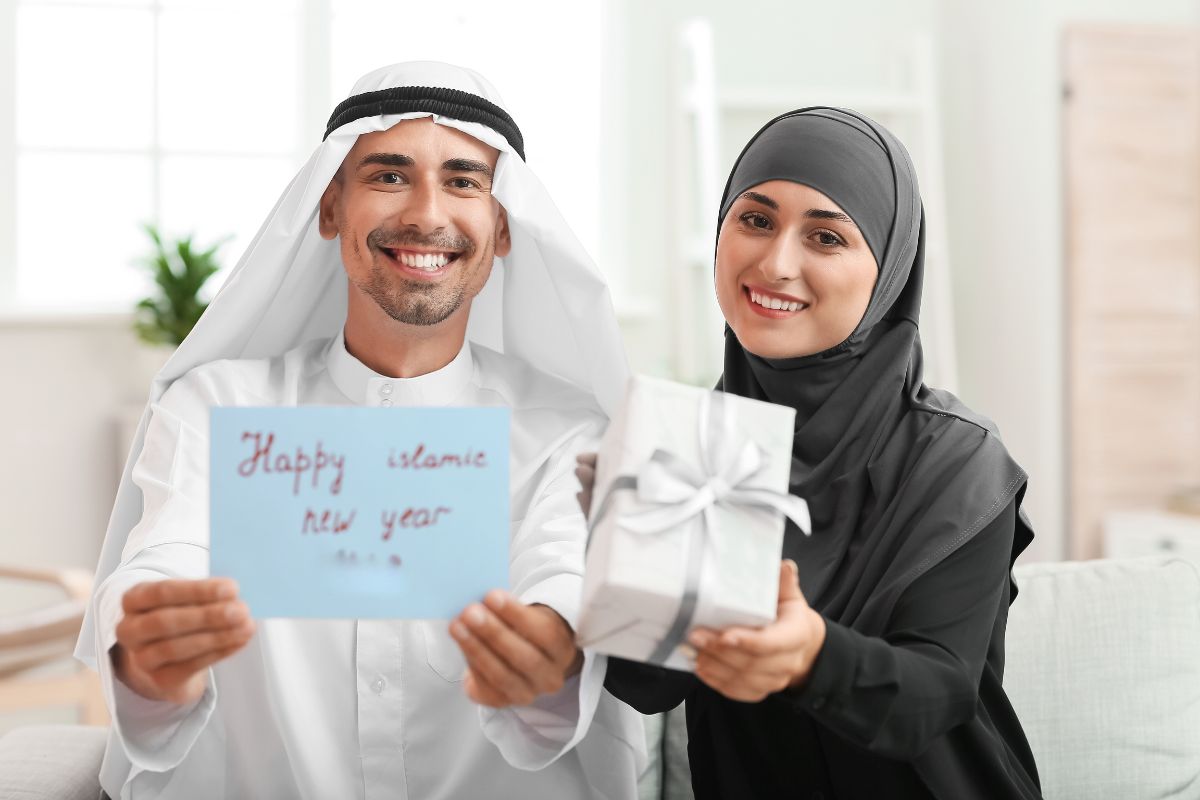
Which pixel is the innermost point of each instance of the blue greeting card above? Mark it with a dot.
(340, 512)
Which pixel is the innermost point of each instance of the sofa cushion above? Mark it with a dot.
(1103, 668)
(51, 762)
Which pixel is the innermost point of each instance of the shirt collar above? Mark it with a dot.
(363, 385)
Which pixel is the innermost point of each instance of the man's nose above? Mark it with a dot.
(424, 207)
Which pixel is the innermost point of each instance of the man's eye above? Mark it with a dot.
(391, 178)
(756, 220)
(463, 183)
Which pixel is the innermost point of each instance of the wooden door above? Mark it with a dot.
(1131, 134)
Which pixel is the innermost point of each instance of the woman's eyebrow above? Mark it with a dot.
(824, 213)
(761, 198)
(812, 213)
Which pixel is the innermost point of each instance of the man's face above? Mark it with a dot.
(413, 209)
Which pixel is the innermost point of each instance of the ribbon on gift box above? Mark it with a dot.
(678, 491)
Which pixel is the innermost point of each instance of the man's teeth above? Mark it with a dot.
(426, 261)
(776, 303)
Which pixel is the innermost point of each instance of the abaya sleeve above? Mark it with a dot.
(894, 694)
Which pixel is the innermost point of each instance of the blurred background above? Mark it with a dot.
(1057, 142)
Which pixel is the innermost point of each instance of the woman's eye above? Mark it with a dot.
(828, 239)
(756, 220)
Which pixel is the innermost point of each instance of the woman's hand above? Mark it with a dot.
(747, 664)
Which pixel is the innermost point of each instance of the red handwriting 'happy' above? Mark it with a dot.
(264, 459)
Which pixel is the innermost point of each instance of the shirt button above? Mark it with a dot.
(386, 389)
(385, 402)
(379, 685)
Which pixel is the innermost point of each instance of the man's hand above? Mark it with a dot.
(173, 631)
(585, 471)
(747, 664)
(515, 652)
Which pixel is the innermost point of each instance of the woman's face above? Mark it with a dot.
(794, 274)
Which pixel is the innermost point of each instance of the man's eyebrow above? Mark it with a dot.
(761, 198)
(387, 159)
(468, 165)
(822, 213)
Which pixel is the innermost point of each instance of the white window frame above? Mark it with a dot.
(313, 87)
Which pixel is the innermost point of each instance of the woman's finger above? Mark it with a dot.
(735, 684)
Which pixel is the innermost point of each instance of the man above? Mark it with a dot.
(419, 185)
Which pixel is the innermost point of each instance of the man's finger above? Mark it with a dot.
(586, 460)
(486, 664)
(155, 594)
(185, 648)
(586, 475)
(512, 643)
(482, 692)
(540, 626)
(165, 622)
(177, 674)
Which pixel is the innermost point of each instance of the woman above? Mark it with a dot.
(881, 677)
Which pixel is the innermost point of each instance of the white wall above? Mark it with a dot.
(1000, 89)
(65, 382)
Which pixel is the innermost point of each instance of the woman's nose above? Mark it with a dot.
(783, 261)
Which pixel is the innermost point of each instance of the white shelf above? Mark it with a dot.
(1132, 534)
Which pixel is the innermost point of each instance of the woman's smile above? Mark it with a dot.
(773, 305)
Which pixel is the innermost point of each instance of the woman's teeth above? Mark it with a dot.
(426, 261)
(776, 303)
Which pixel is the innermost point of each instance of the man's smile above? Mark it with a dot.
(423, 263)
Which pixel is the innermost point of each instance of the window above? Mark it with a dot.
(194, 114)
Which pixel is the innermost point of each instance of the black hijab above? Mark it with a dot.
(897, 475)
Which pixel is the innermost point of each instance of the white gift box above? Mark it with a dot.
(687, 520)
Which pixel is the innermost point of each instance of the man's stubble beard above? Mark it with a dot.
(416, 302)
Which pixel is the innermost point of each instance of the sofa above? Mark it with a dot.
(1103, 667)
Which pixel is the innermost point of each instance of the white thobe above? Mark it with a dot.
(328, 709)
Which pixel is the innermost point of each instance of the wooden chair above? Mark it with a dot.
(44, 636)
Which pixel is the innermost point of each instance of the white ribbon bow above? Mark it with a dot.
(680, 491)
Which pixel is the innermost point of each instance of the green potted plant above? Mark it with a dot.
(180, 271)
